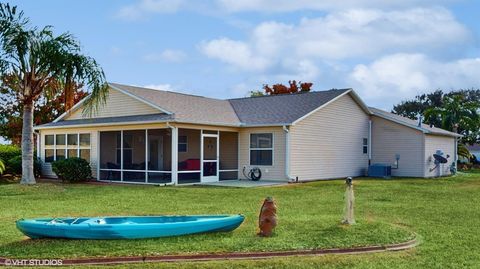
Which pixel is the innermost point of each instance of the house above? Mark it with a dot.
(158, 137)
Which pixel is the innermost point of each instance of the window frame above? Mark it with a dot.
(183, 143)
(66, 147)
(365, 148)
(272, 148)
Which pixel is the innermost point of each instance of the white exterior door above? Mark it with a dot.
(209, 154)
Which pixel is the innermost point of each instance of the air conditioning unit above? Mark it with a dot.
(380, 170)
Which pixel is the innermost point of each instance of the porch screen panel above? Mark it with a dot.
(189, 161)
(110, 155)
(134, 157)
(228, 151)
(159, 150)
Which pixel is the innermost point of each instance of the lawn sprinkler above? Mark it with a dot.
(349, 218)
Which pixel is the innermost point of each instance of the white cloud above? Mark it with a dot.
(356, 33)
(168, 55)
(399, 76)
(139, 10)
(170, 88)
(269, 6)
(236, 53)
(160, 87)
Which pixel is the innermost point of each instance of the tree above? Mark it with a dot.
(45, 110)
(457, 111)
(293, 87)
(255, 93)
(459, 115)
(35, 63)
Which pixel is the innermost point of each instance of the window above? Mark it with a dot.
(61, 146)
(365, 145)
(261, 149)
(49, 140)
(182, 143)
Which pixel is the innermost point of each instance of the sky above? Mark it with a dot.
(387, 51)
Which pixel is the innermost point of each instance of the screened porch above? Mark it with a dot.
(145, 156)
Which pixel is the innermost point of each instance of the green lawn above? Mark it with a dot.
(444, 212)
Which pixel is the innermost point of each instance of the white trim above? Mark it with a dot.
(206, 179)
(130, 170)
(121, 154)
(250, 149)
(174, 157)
(146, 156)
(287, 152)
(98, 155)
(71, 110)
(126, 92)
(133, 182)
(228, 170)
(369, 140)
(101, 124)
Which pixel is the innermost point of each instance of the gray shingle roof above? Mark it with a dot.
(250, 111)
(161, 117)
(187, 108)
(280, 109)
(411, 123)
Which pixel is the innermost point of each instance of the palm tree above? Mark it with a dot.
(2, 167)
(456, 114)
(35, 62)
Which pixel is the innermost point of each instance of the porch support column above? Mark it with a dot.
(174, 154)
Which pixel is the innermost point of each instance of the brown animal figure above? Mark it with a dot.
(306, 86)
(293, 86)
(267, 220)
(280, 89)
(267, 89)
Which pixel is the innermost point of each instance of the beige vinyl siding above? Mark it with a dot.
(118, 104)
(277, 170)
(390, 138)
(328, 143)
(432, 144)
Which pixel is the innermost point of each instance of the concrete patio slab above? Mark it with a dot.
(244, 183)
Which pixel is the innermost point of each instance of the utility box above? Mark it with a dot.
(380, 170)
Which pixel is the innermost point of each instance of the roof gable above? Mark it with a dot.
(251, 111)
(188, 108)
(425, 128)
(282, 109)
(118, 104)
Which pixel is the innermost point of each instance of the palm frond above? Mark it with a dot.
(463, 151)
(2, 167)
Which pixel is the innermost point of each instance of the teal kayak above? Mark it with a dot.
(127, 227)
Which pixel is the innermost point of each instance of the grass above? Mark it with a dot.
(443, 212)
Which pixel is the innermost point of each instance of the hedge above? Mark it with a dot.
(72, 170)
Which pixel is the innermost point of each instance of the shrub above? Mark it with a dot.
(9, 151)
(72, 170)
(14, 165)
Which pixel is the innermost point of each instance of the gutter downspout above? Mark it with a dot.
(369, 141)
(455, 159)
(287, 153)
(174, 153)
